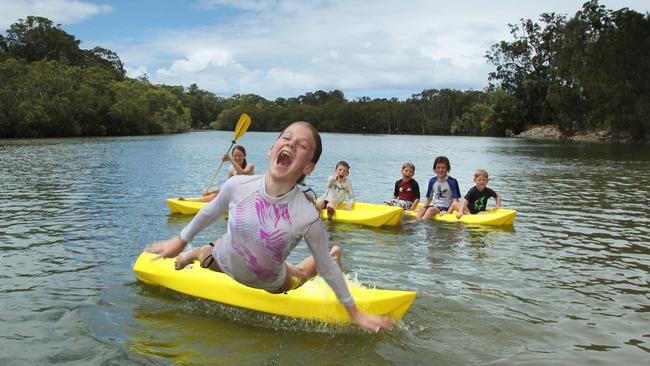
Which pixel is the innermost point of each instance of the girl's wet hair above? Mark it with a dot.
(442, 159)
(318, 148)
(240, 148)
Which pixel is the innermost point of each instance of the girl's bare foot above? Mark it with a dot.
(183, 260)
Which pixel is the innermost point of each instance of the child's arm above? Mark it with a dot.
(350, 194)
(210, 213)
(239, 169)
(498, 199)
(369, 322)
(429, 194)
(169, 248)
(462, 208)
(416, 188)
(327, 267)
(216, 190)
(396, 190)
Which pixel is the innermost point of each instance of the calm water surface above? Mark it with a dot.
(569, 283)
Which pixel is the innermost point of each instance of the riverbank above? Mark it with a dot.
(552, 132)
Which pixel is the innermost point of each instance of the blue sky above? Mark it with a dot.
(379, 49)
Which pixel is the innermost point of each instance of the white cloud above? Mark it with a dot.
(198, 61)
(291, 48)
(136, 72)
(58, 11)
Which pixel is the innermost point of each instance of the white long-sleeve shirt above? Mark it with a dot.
(261, 232)
(337, 190)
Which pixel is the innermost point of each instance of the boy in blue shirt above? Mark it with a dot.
(443, 190)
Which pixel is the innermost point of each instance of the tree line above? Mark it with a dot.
(591, 71)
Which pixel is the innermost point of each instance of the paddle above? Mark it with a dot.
(240, 130)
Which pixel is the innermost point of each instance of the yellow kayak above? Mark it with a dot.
(314, 300)
(501, 216)
(367, 214)
(184, 207)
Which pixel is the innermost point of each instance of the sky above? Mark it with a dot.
(275, 48)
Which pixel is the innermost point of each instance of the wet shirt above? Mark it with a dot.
(407, 191)
(261, 232)
(443, 191)
(337, 190)
(477, 200)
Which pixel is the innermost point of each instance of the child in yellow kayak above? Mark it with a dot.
(443, 190)
(338, 186)
(239, 167)
(268, 216)
(475, 201)
(407, 191)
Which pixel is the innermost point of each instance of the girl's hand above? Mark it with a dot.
(226, 157)
(169, 248)
(369, 322)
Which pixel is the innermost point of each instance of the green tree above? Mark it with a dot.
(38, 39)
(523, 66)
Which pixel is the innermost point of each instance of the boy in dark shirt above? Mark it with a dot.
(476, 198)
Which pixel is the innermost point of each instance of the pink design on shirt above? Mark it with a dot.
(263, 235)
(269, 216)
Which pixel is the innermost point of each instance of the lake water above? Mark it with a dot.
(568, 284)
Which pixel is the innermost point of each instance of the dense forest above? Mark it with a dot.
(587, 72)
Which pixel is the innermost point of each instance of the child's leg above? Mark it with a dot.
(202, 254)
(301, 273)
(431, 212)
(331, 208)
(207, 197)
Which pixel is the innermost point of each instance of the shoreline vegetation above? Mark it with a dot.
(579, 78)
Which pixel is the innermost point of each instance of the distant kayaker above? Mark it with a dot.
(268, 215)
(475, 201)
(443, 190)
(407, 191)
(338, 186)
(239, 167)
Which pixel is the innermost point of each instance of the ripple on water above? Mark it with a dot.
(567, 284)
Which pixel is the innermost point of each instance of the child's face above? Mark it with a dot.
(341, 171)
(238, 156)
(481, 182)
(441, 170)
(407, 173)
(291, 154)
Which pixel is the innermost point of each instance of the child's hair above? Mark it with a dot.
(480, 172)
(409, 165)
(343, 163)
(318, 149)
(442, 159)
(241, 148)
